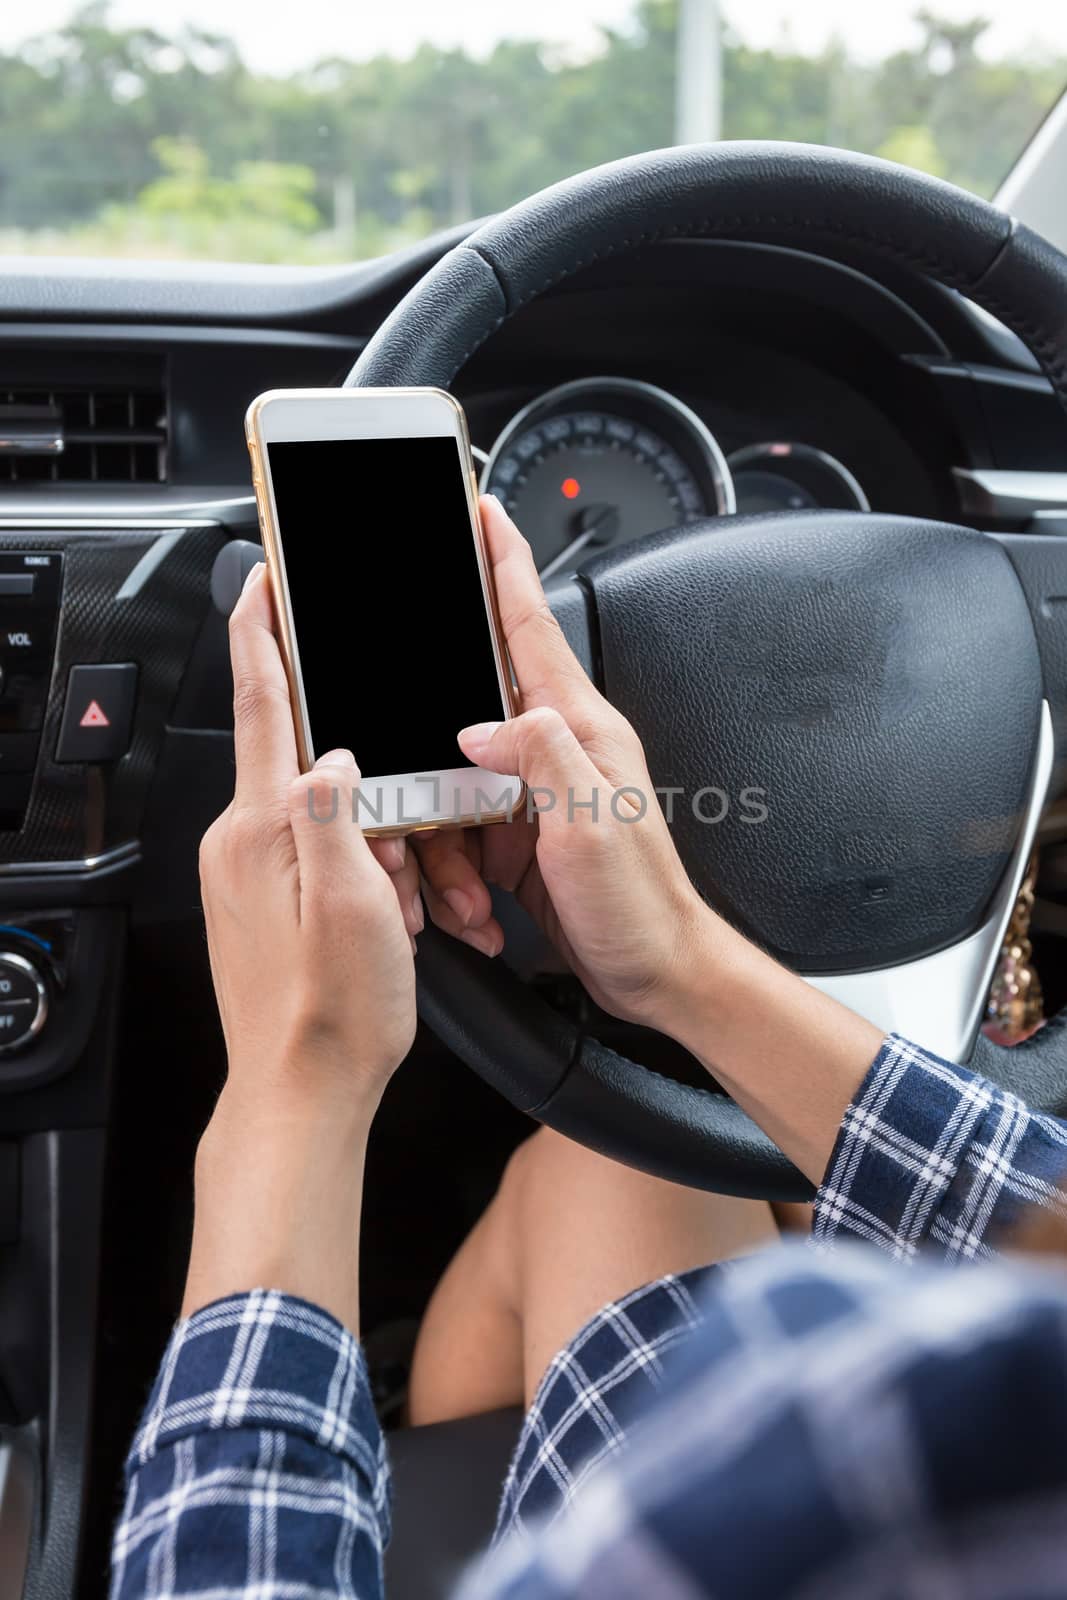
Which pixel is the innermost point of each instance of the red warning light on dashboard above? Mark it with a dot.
(570, 488)
(94, 716)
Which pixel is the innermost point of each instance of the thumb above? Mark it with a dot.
(538, 746)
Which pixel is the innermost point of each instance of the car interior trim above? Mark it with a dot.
(121, 855)
(18, 1496)
(1005, 377)
(107, 516)
(152, 558)
(165, 333)
(11, 958)
(992, 492)
(939, 999)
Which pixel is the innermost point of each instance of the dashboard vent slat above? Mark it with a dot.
(110, 434)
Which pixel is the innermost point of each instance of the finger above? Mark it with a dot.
(390, 853)
(546, 668)
(334, 858)
(409, 893)
(451, 873)
(489, 938)
(263, 732)
(542, 749)
(402, 867)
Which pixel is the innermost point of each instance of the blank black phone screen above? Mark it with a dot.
(394, 642)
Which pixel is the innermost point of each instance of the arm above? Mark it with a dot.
(930, 1154)
(614, 897)
(908, 1151)
(836, 1429)
(259, 1464)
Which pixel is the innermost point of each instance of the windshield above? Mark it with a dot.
(323, 131)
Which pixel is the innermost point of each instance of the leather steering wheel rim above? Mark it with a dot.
(802, 196)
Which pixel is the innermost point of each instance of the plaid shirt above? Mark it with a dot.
(822, 1426)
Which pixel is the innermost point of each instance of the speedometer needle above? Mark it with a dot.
(597, 525)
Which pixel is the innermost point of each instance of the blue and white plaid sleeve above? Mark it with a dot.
(259, 1467)
(929, 1156)
(835, 1428)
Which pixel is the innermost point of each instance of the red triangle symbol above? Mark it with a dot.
(94, 716)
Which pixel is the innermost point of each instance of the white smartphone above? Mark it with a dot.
(384, 597)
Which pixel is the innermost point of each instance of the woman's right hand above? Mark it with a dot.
(596, 868)
(615, 898)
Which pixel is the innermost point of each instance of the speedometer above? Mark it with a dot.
(602, 461)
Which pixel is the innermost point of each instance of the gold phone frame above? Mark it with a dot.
(283, 611)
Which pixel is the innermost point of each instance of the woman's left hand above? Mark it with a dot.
(310, 950)
(310, 930)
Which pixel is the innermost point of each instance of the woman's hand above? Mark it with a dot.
(612, 894)
(309, 950)
(310, 932)
(596, 868)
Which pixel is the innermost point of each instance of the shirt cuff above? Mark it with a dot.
(267, 1360)
(901, 1165)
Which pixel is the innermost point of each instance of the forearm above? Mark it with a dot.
(907, 1150)
(789, 1055)
(259, 1466)
(262, 1398)
(279, 1186)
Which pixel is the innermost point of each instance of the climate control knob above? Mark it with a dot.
(23, 1000)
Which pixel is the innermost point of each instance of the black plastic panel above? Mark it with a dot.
(78, 811)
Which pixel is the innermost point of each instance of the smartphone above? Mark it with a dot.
(384, 597)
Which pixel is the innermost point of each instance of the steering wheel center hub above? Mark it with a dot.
(814, 693)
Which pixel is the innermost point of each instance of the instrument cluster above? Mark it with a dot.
(599, 462)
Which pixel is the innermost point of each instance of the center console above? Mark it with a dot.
(114, 752)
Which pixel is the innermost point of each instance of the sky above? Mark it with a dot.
(277, 37)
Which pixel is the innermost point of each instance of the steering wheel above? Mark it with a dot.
(886, 682)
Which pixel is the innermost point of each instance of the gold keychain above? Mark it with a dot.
(1016, 1004)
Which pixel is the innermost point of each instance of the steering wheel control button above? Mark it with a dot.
(23, 1001)
(98, 713)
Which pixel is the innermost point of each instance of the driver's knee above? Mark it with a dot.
(567, 1231)
(570, 1230)
(546, 1183)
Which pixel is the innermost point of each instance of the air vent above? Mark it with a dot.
(75, 434)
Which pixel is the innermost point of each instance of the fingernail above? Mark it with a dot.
(336, 758)
(394, 852)
(478, 737)
(492, 500)
(484, 939)
(416, 912)
(253, 573)
(414, 948)
(460, 903)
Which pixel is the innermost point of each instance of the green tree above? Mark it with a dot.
(136, 138)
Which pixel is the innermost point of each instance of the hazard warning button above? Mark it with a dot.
(94, 716)
(98, 714)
